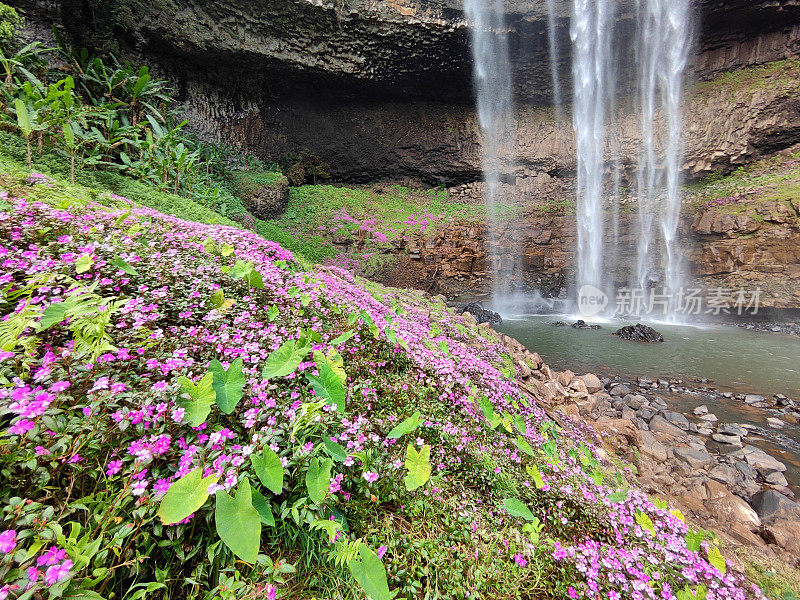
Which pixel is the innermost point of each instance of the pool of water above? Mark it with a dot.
(730, 357)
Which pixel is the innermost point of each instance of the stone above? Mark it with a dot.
(701, 410)
(776, 423)
(771, 505)
(726, 507)
(758, 459)
(653, 448)
(661, 425)
(639, 333)
(776, 478)
(482, 315)
(621, 427)
(722, 438)
(678, 419)
(645, 413)
(709, 418)
(628, 413)
(593, 383)
(753, 398)
(732, 429)
(620, 390)
(784, 533)
(724, 474)
(636, 401)
(696, 459)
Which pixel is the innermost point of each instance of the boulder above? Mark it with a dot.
(753, 399)
(639, 333)
(696, 459)
(620, 390)
(723, 438)
(482, 315)
(732, 429)
(700, 410)
(727, 508)
(772, 505)
(776, 478)
(758, 459)
(660, 425)
(784, 533)
(724, 474)
(776, 423)
(622, 428)
(678, 419)
(593, 383)
(653, 448)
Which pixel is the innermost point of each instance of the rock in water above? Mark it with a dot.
(639, 333)
(482, 315)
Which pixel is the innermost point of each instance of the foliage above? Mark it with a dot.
(10, 22)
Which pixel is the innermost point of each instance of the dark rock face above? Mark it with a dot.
(639, 333)
(268, 201)
(481, 314)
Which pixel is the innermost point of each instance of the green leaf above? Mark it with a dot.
(202, 397)
(716, 560)
(407, 426)
(337, 451)
(516, 508)
(185, 497)
(226, 249)
(645, 522)
(536, 475)
(83, 263)
(318, 479)
(254, 279)
(217, 299)
(328, 526)
(123, 266)
(370, 574)
(327, 386)
(419, 467)
(228, 385)
(56, 313)
(618, 496)
(334, 360)
(269, 469)
(488, 412)
(523, 445)
(285, 359)
(238, 522)
(262, 505)
(338, 341)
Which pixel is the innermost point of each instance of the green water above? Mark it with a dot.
(730, 357)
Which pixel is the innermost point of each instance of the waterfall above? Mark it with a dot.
(552, 38)
(592, 71)
(492, 75)
(663, 43)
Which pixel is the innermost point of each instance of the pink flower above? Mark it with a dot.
(113, 467)
(21, 427)
(177, 414)
(57, 573)
(51, 556)
(370, 476)
(381, 551)
(8, 541)
(518, 558)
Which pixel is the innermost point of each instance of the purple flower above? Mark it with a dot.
(113, 467)
(518, 558)
(8, 541)
(21, 427)
(370, 476)
(57, 572)
(381, 551)
(53, 555)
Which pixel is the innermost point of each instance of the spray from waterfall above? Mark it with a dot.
(591, 33)
(492, 75)
(663, 44)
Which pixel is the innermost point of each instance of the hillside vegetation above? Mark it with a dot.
(185, 414)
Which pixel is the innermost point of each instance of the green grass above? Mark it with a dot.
(752, 79)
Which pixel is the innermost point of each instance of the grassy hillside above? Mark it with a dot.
(184, 415)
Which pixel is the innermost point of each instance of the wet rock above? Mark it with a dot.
(482, 315)
(732, 429)
(782, 400)
(559, 324)
(753, 399)
(771, 505)
(639, 333)
(696, 459)
(659, 424)
(593, 383)
(722, 438)
(581, 324)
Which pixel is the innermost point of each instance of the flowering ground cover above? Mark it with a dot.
(185, 413)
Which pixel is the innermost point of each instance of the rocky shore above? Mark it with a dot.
(709, 470)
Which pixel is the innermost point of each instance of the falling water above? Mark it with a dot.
(591, 32)
(663, 44)
(552, 36)
(492, 74)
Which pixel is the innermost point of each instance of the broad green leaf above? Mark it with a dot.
(202, 397)
(419, 467)
(618, 496)
(228, 385)
(536, 475)
(523, 445)
(55, 313)
(407, 426)
(272, 313)
(261, 504)
(598, 477)
(226, 249)
(285, 359)
(334, 360)
(83, 263)
(318, 479)
(123, 266)
(337, 451)
(254, 279)
(338, 341)
(370, 574)
(516, 508)
(269, 469)
(645, 522)
(23, 117)
(694, 540)
(716, 560)
(238, 522)
(327, 386)
(185, 497)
